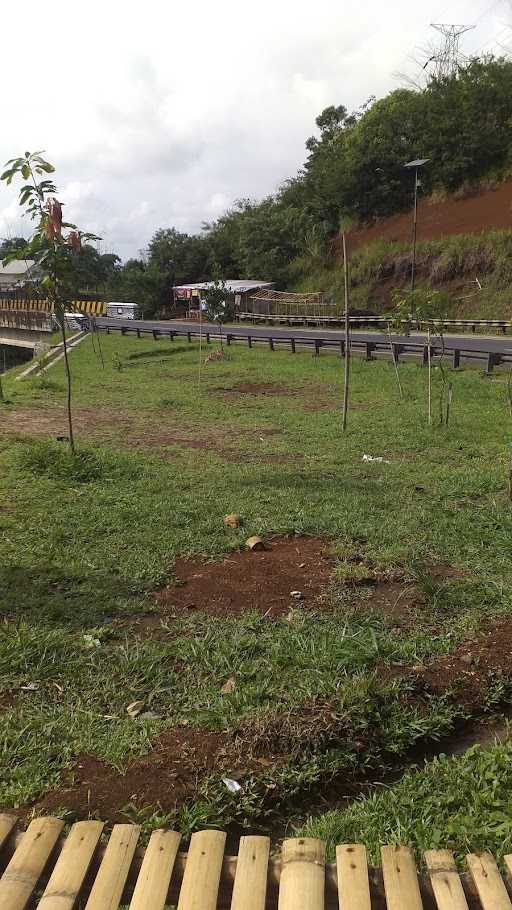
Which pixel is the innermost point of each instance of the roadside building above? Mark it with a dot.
(17, 274)
(186, 299)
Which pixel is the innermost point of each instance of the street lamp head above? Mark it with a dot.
(418, 162)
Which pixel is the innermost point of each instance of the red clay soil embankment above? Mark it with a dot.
(484, 211)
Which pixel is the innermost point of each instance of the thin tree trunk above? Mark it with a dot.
(393, 357)
(347, 334)
(68, 378)
(429, 378)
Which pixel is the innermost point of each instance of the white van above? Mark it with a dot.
(123, 310)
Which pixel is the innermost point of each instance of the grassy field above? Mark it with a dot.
(303, 709)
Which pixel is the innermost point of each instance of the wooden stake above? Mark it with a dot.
(347, 334)
(429, 379)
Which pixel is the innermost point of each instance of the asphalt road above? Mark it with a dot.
(482, 344)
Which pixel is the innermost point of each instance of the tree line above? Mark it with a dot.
(354, 171)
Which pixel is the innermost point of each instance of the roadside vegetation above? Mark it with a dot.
(353, 168)
(124, 703)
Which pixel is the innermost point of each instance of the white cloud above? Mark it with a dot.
(161, 114)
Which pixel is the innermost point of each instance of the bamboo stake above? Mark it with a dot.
(347, 334)
(429, 354)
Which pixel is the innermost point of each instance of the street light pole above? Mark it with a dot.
(416, 164)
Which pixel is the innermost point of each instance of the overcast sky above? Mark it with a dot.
(160, 114)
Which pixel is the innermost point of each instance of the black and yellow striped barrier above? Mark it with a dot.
(93, 307)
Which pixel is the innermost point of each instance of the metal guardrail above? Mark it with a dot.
(368, 348)
(472, 324)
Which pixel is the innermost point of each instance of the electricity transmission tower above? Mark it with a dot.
(446, 58)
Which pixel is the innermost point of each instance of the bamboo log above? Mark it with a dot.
(302, 874)
(250, 888)
(27, 864)
(156, 870)
(446, 883)
(201, 879)
(71, 867)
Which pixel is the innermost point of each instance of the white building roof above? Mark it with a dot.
(16, 267)
(236, 286)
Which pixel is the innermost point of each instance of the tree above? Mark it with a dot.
(218, 302)
(10, 245)
(54, 252)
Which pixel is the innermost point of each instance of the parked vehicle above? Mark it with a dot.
(123, 310)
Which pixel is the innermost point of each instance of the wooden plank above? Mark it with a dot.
(7, 825)
(353, 882)
(250, 888)
(27, 864)
(446, 884)
(400, 879)
(71, 867)
(488, 881)
(201, 879)
(108, 886)
(156, 870)
(302, 874)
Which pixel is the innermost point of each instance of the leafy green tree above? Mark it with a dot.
(54, 251)
(10, 245)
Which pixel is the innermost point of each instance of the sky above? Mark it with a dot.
(162, 114)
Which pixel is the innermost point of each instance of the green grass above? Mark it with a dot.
(459, 803)
(83, 542)
(459, 258)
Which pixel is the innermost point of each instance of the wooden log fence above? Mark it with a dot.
(86, 870)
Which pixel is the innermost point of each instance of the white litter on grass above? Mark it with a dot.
(232, 785)
(377, 458)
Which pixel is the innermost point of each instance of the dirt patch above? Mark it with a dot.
(8, 699)
(252, 580)
(258, 388)
(164, 778)
(106, 425)
(469, 671)
(489, 210)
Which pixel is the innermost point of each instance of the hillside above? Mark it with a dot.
(464, 248)
(461, 213)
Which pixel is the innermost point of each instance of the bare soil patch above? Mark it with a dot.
(258, 388)
(252, 580)
(104, 425)
(482, 211)
(164, 778)
(476, 664)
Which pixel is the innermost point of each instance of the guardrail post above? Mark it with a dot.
(342, 349)
(292, 340)
(473, 328)
(123, 330)
(271, 343)
(155, 335)
(369, 350)
(396, 351)
(189, 337)
(492, 360)
(317, 347)
(208, 338)
(228, 339)
(108, 331)
(171, 336)
(456, 360)
(504, 329)
(249, 341)
(138, 333)
(424, 356)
